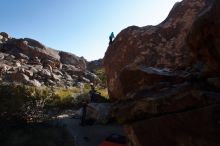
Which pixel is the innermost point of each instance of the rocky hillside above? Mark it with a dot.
(29, 62)
(166, 78)
(95, 64)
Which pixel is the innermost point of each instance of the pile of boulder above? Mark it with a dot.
(29, 62)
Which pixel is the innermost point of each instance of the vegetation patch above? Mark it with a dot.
(100, 72)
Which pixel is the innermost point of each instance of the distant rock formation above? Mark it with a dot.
(166, 78)
(95, 64)
(27, 61)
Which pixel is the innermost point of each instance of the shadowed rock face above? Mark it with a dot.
(198, 127)
(158, 46)
(204, 39)
(166, 78)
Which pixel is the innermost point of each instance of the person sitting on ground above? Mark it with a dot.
(111, 37)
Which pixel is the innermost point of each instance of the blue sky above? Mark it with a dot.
(81, 27)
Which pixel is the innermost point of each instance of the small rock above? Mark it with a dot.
(52, 83)
(17, 64)
(57, 72)
(35, 83)
(28, 73)
(68, 77)
(1, 56)
(23, 56)
(45, 72)
(56, 77)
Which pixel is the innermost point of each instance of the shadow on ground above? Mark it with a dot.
(63, 130)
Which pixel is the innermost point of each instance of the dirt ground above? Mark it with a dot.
(89, 135)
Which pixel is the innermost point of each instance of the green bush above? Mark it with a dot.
(62, 98)
(103, 92)
(25, 102)
(22, 101)
(100, 72)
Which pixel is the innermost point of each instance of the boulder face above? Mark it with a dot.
(193, 128)
(95, 64)
(158, 46)
(166, 78)
(28, 61)
(68, 58)
(204, 39)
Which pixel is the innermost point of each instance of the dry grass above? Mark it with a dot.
(104, 92)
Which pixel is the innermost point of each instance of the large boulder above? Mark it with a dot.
(53, 63)
(100, 112)
(165, 78)
(95, 64)
(92, 77)
(18, 77)
(193, 128)
(72, 70)
(135, 78)
(204, 39)
(158, 46)
(34, 48)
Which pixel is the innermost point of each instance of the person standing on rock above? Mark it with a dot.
(111, 37)
(85, 104)
(83, 117)
(93, 93)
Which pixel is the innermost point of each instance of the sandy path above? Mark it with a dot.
(88, 135)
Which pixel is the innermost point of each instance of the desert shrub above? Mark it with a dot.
(63, 93)
(13, 99)
(103, 92)
(100, 89)
(21, 101)
(62, 97)
(86, 88)
(28, 102)
(100, 72)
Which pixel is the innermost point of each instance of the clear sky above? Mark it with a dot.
(81, 27)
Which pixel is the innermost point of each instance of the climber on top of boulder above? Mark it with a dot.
(111, 37)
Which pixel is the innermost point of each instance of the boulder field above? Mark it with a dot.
(27, 61)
